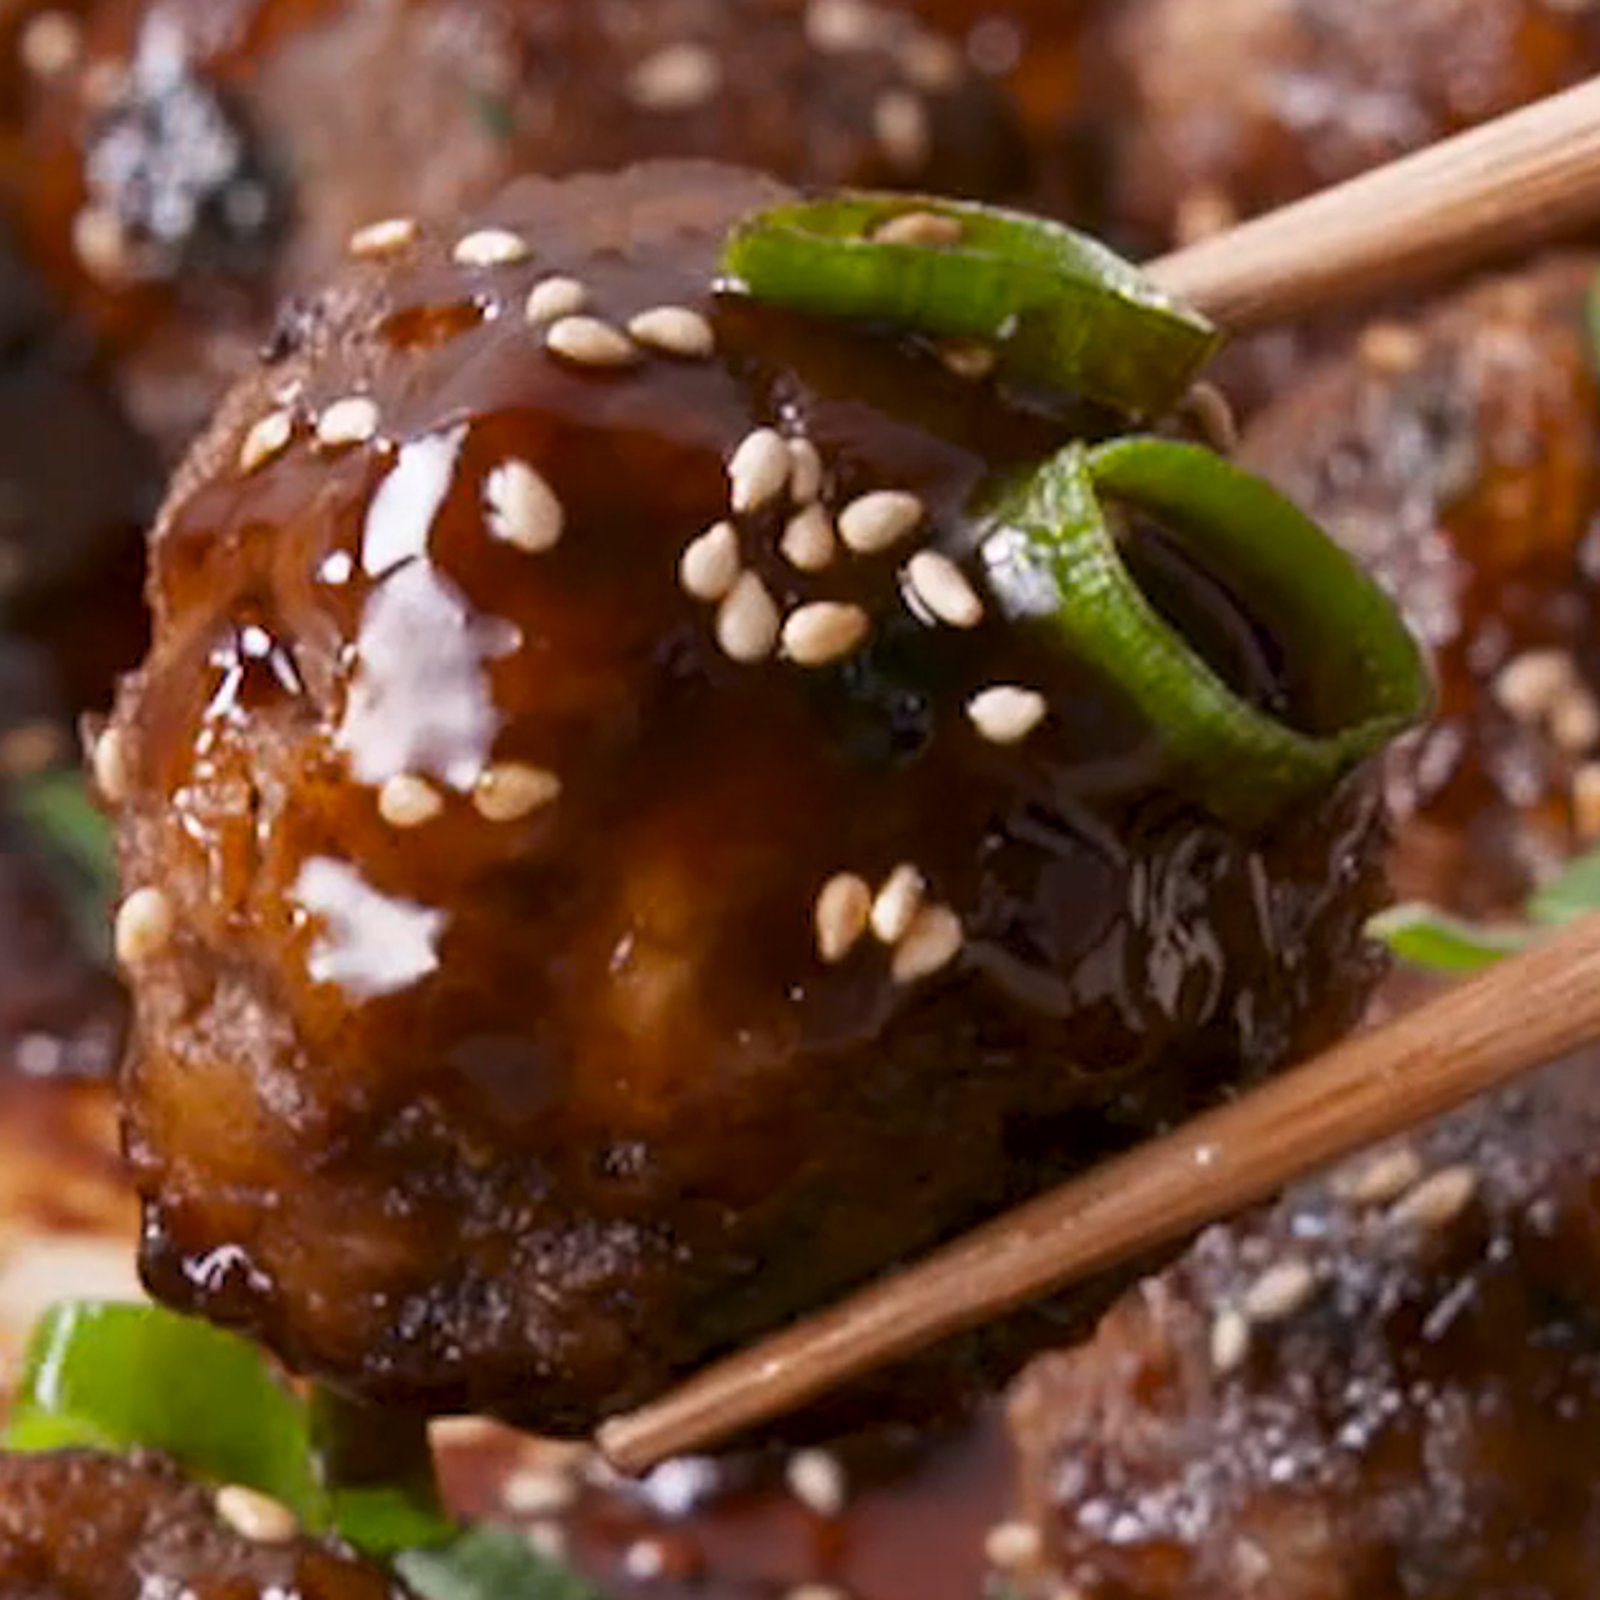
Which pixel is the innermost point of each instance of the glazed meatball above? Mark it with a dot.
(208, 157)
(581, 909)
(81, 1526)
(1458, 456)
(1386, 1387)
(1218, 109)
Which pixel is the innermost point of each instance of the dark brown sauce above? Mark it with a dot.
(913, 1526)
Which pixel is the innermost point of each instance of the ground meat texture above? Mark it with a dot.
(81, 1526)
(208, 157)
(1218, 109)
(1387, 1387)
(487, 1055)
(1458, 455)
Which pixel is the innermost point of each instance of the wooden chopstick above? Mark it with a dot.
(1526, 178)
(1520, 180)
(1490, 1030)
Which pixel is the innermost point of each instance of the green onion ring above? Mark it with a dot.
(1363, 669)
(1061, 310)
(112, 1377)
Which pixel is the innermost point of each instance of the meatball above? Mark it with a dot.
(1388, 1386)
(1218, 109)
(211, 156)
(82, 1526)
(1457, 454)
(535, 716)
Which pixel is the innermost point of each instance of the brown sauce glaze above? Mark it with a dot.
(1457, 453)
(204, 158)
(1215, 110)
(1386, 1386)
(486, 1055)
(912, 1519)
(79, 1526)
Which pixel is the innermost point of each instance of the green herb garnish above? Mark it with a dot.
(1061, 310)
(1423, 936)
(1367, 676)
(120, 1377)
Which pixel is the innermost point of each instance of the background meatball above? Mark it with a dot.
(207, 157)
(1457, 455)
(80, 1526)
(1387, 1386)
(1218, 109)
(510, 1036)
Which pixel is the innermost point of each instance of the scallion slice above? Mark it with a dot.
(1364, 670)
(1060, 309)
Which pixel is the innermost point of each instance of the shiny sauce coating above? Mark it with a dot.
(202, 159)
(512, 1028)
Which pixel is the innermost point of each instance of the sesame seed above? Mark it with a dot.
(113, 774)
(758, 471)
(900, 125)
(145, 924)
(747, 621)
(1575, 720)
(523, 509)
(842, 911)
(1529, 684)
(678, 77)
(353, 420)
(491, 247)
(1382, 1179)
(1586, 801)
(383, 238)
(100, 243)
(819, 634)
(816, 1479)
(1391, 348)
(1230, 1341)
(919, 227)
(103, 81)
(256, 1516)
(1280, 1291)
(589, 342)
(538, 1491)
(880, 520)
(512, 790)
(815, 1591)
(269, 437)
(1010, 1546)
(1006, 714)
(844, 26)
(32, 748)
(897, 903)
(407, 801)
(970, 359)
(709, 567)
(645, 1560)
(933, 941)
(808, 541)
(548, 1539)
(805, 464)
(675, 331)
(51, 43)
(1203, 212)
(943, 589)
(1436, 1202)
(551, 299)
(933, 64)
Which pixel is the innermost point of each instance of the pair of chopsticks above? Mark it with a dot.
(1524, 179)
